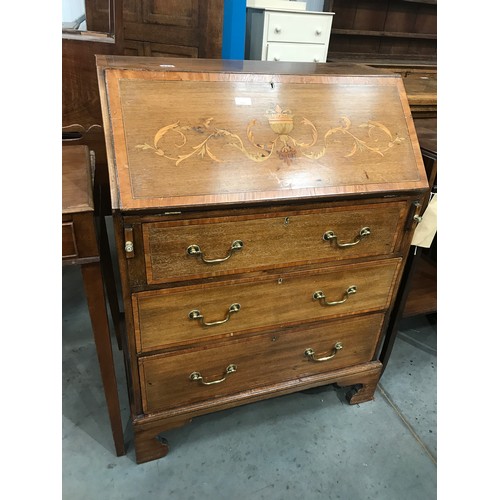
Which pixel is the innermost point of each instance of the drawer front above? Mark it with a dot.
(296, 52)
(281, 240)
(260, 361)
(302, 28)
(175, 316)
(68, 241)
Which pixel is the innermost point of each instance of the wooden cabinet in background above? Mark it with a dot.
(263, 214)
(383, 30)
(175, 28)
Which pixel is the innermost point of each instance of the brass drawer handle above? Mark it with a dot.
(195, 314)
(196, 376)
(196, 250)
(363, 233)
(312, 355)
(319, 295)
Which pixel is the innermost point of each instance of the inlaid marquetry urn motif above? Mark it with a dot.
(282, 143)
(280, 120)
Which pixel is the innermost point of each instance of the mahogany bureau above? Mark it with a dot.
(263, 213)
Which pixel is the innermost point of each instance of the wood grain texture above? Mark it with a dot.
(310, 70)
(150, 426)
(80, 92)
(283, 240)
(129, 347)
(76, 180)
(209, 152)
(174, 27)
(148, 444)
(94, 290)
(136, 267)
(83, 234)
(69, 248)
(249, 153)
(81, 246)
(261, 360)
(386, 29)
(422, 297)
(162, 317)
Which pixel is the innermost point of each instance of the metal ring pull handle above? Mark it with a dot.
(363, 233)
(312, 355)
(196, 376)
(196, 250)
(319, 295)
(195, 314)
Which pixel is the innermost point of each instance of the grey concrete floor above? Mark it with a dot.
(308, 445)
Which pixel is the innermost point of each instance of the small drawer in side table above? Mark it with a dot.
(266, 360)
(69, 249)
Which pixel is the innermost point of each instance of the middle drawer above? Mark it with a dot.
(188, 314)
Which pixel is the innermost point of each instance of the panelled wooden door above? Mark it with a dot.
(178, 28)
(182, 28)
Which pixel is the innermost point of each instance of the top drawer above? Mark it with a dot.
(200, 248)
(298, 27)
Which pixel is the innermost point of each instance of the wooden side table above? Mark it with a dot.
(81, 246)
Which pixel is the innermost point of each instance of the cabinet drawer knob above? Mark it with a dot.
(318, 32)
(363, 233)
(319, 295)
(312, 355)
(196, 315)
(195, 250)
(196, 376)
(277, 29)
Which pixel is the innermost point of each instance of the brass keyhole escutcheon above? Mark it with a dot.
(287, 221)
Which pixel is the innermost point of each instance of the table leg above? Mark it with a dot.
(94, 290)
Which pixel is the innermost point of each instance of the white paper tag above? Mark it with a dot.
(427, 227)
(243, 101)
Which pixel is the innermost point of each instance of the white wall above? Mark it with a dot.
(72, 9)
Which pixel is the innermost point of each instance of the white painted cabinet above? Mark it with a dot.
(279, 35)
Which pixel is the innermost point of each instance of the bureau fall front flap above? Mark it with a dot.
(187, 138)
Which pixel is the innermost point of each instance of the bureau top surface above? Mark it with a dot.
(76, 180)
(197, 133)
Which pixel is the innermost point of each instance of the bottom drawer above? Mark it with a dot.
(192, 376)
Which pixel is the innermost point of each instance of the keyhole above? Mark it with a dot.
(287, 220)
(272, 85)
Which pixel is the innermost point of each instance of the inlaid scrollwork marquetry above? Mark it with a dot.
(283, 144)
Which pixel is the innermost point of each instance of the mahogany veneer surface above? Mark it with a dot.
(313, 171)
